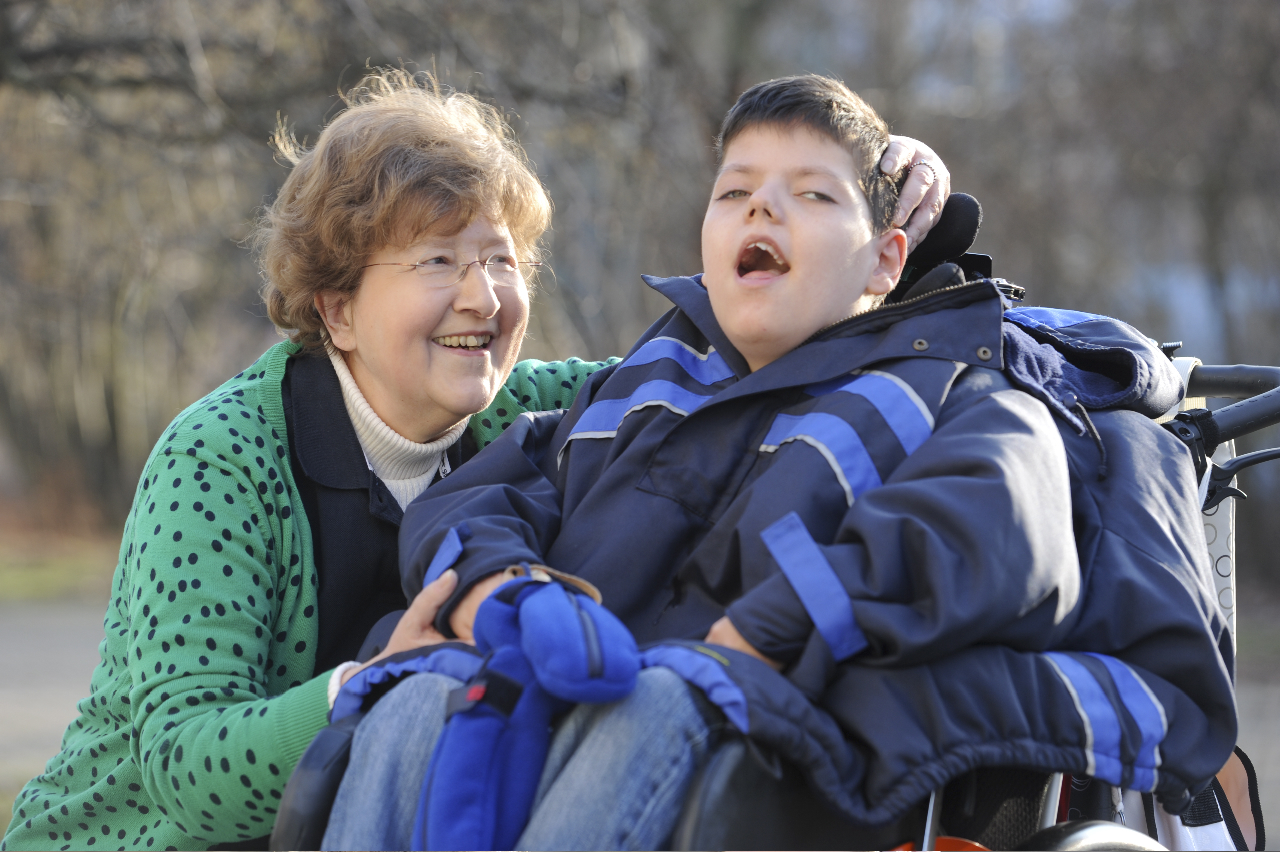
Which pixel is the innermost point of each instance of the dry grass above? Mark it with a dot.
(49, 565)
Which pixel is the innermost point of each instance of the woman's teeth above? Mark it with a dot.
(464, 341)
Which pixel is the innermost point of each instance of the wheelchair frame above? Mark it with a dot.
(733, 791)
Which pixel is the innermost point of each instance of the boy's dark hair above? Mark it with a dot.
(829, 107)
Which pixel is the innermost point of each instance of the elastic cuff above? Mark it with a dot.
(335, 680)
(300, 714)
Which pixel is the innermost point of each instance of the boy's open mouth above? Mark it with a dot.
(464, 341)
(762, 258)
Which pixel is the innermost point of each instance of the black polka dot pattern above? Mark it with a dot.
(213, 613)
(533, 386)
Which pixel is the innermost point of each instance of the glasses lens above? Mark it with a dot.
(503, 270)
(438, 272)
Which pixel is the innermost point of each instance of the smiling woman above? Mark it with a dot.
(262, 543)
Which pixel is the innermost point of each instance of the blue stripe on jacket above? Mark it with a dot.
(705, 369)
(907, 415)
(788, 540)
(1101, 722)
(836, 440)
(1147, 712)
(604, 416)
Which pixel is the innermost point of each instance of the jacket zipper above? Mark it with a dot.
(876, 310)
(595, 661)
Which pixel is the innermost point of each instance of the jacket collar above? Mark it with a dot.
(690, 296)
(958, 324)
(324, 437)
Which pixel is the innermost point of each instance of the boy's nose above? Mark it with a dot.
(761, 206)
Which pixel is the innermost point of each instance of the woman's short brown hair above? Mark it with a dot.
(407, 156)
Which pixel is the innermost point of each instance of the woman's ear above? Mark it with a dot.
(890, 260)
(335, 310)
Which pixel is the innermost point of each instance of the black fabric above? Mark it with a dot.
(1255, 802)
(995, 806)
(1149, 809)
(1203, 810)
(1089, 799)
(354, 519)
(1228, 816)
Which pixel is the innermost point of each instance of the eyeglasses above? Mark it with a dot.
(502, 270)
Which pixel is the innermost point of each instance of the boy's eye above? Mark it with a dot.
(814, 195)
(734, 193)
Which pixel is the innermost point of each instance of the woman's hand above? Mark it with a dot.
(724, 633)
(464, 614)
(925, 191)
(416, 628)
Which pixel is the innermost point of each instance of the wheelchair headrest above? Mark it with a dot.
(948, 240)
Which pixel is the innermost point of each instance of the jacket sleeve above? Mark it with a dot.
(499, 509)
(533, 386)
(969, 540)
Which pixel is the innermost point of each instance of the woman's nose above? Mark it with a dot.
(476, 291)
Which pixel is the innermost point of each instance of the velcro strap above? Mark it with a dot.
(816, 584)
(496, 690)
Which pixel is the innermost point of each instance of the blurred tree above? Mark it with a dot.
(1123, 150)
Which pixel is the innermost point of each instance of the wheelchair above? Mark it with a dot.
(744, 798)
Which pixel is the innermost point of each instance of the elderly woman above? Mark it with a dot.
(262, 543)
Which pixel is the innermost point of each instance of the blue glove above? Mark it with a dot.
(549, 647)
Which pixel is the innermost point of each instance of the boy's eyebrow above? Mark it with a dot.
(802, 171)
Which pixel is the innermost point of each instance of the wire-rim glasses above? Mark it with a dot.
(501, 269)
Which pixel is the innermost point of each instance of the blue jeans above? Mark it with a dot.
(615, 777)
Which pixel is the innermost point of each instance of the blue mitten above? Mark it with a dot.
(594, 664)
(549, 646)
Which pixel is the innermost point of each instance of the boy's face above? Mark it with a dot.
(787, 243)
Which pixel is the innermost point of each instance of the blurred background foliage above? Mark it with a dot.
(1124, 152)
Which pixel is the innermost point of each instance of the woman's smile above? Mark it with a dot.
(473, 326)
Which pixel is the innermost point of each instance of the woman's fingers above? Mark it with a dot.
(433, 595)
(725, 634)
(925, 191)
(464, 614)
(416, 628)
(897, 155)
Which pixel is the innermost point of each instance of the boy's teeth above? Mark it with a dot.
(467, 341)
(768, 248)
(761, 257)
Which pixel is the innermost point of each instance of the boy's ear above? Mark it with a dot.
(891, 258)
(335, 311)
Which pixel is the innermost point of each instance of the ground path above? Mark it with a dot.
(50, 649)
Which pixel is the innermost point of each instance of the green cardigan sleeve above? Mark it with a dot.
(533, 386)
(220, 617)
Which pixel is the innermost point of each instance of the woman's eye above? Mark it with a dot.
(501, 260)
(814, 195)
(435, 262)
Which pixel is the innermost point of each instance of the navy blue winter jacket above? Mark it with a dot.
(951, 573)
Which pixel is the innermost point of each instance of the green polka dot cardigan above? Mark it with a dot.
(204, 699)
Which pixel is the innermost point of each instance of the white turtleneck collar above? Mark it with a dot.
(405, 467)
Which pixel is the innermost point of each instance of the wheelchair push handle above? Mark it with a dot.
(1202, 430)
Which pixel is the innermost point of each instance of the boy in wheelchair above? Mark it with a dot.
(890, 536)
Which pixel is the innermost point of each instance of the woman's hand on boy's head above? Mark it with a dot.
(926, 189)
(723, 633)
